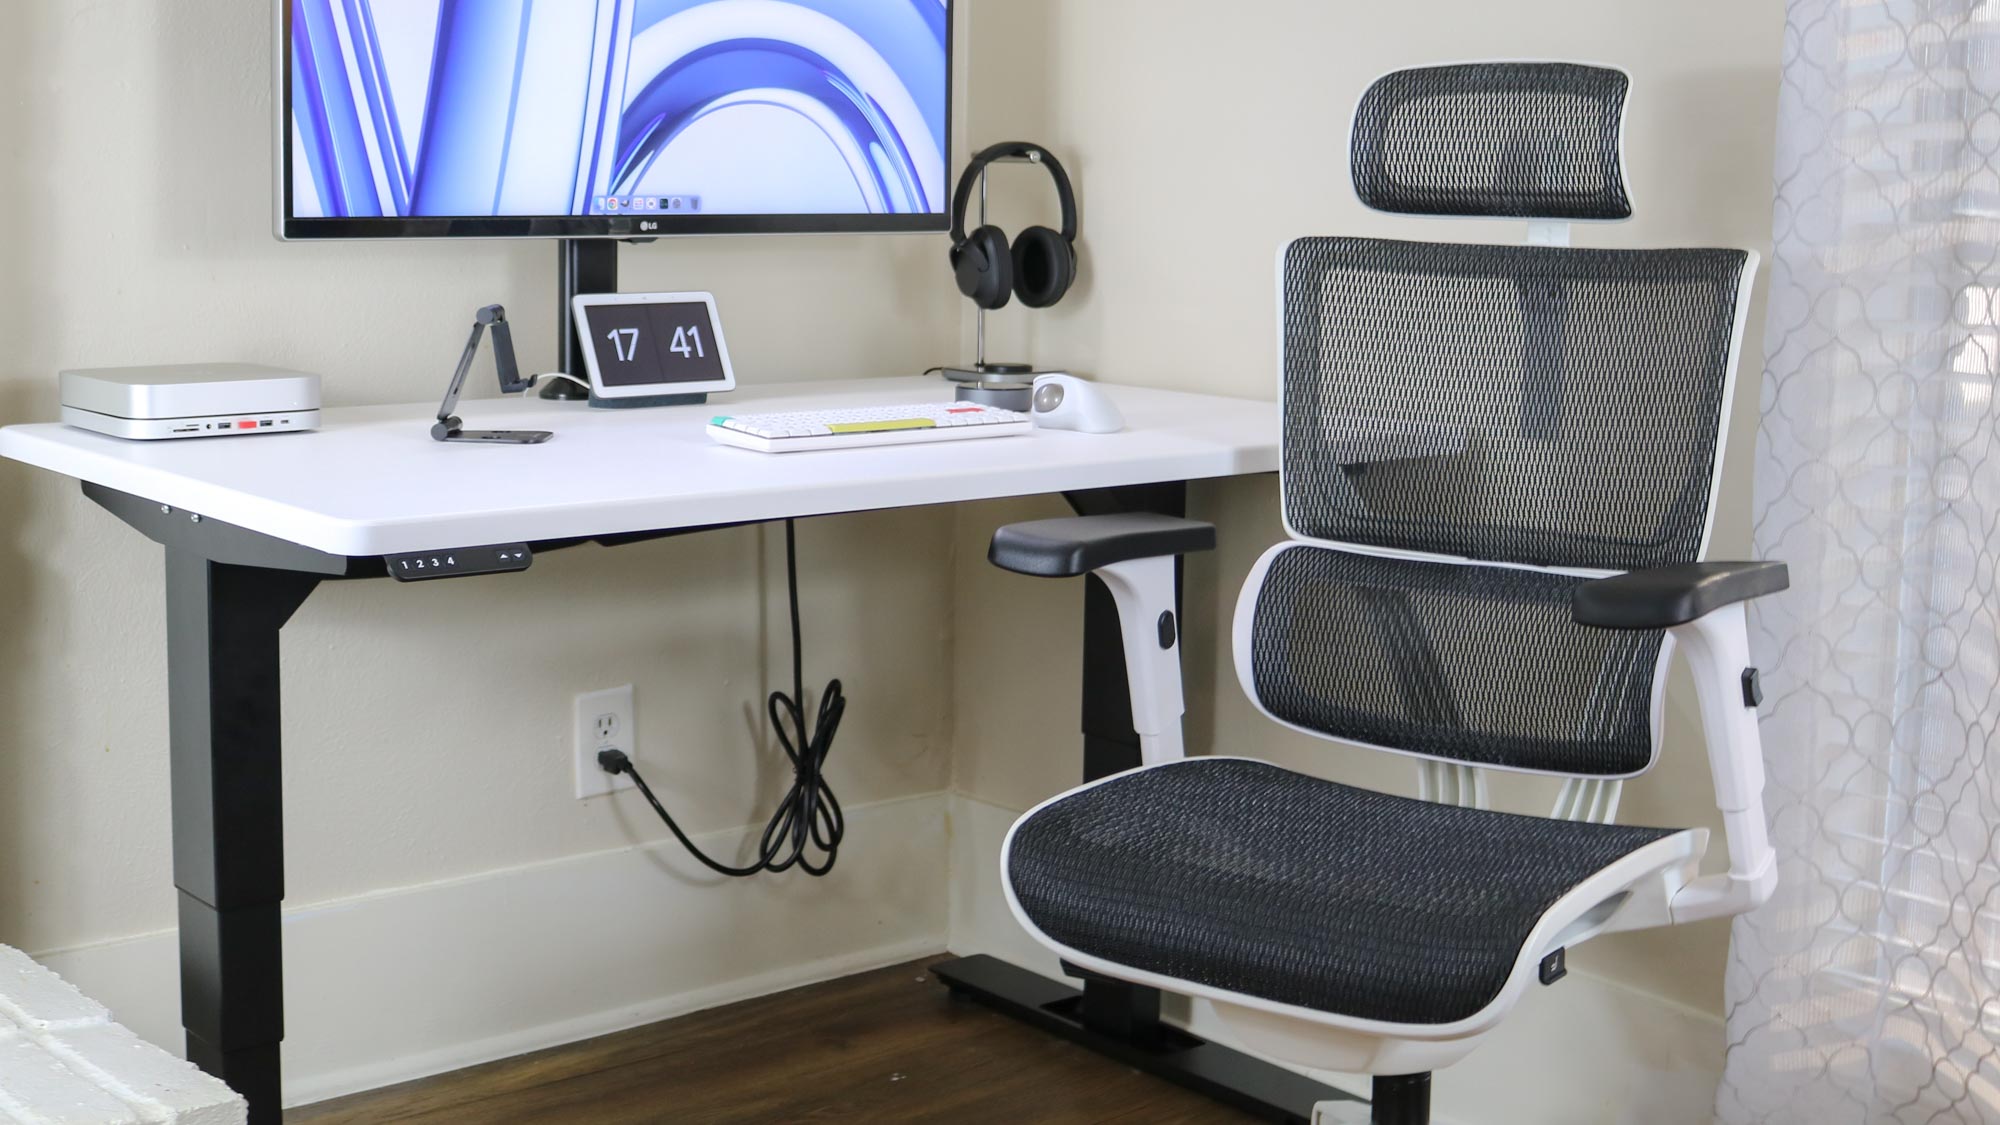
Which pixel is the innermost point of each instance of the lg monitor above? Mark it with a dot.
(611, 118)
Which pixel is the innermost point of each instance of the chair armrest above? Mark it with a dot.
(1134, 556)
(1066, 548)
(1673, 595)
(1702, 605)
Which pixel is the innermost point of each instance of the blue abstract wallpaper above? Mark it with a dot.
(460, 108)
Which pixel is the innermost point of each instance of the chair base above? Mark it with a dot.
(1227, 1076)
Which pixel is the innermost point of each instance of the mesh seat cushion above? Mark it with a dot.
(1250, 878)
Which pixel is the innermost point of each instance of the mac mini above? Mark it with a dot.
(190, 400)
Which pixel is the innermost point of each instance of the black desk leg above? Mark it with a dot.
(229, 847)
(1112, 1017)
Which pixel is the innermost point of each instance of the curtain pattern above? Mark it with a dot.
(1868, 990)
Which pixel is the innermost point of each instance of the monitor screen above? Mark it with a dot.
(612, 118)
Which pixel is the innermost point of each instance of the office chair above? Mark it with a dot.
(1498, 474)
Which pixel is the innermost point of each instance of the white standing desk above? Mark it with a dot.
(371, 482)
(251, 525)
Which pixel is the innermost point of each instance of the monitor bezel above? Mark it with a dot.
(290, 228)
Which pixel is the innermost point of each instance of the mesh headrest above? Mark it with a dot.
(1523, 140)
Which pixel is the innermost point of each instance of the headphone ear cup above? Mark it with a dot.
(1044, 267)
(985, 268)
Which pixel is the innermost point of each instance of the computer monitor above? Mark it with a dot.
(611, 118)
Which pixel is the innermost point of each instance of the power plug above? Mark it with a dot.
(604, 721)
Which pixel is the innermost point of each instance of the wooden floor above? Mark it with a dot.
(886, 1046)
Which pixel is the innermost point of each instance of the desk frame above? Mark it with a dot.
(230, 591)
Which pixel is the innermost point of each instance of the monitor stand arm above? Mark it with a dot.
(583, 265)
(448, 427)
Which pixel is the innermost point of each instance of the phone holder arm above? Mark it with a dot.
(449, 427)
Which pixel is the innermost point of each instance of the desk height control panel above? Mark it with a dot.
(457, 563)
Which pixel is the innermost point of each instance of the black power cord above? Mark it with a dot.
(809, 817)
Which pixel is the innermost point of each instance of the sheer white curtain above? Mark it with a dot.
(1869, 989)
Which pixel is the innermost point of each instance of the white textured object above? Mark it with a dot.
(36, 1000)
(63, 1062)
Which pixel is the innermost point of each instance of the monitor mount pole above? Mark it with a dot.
(583, 265)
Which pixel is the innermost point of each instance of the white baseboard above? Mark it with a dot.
(1588, 1051)
(407, 983)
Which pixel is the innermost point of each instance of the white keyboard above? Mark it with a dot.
(854, 427)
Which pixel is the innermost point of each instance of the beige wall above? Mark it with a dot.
(427, 728)
(1202, 138)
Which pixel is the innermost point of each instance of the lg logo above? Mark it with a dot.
(649, 226)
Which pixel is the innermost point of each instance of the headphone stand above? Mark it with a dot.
(1006, 386)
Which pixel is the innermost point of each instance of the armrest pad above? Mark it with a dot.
(1673, 595)
(1065, 548)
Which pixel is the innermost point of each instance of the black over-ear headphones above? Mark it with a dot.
(1039, 267)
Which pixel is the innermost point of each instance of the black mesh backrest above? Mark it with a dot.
(1556, 406)
(1514, 139)
(1527, 406)
(1477, 664)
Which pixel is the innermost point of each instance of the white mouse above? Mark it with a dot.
(1065, 402)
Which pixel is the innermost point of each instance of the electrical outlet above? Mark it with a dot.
(603, 722)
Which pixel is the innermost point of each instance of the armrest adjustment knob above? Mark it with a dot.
(1169, 629)
(1753, 688)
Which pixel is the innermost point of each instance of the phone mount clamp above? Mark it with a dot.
(448, 427)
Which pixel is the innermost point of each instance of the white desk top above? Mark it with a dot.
(370, 481)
